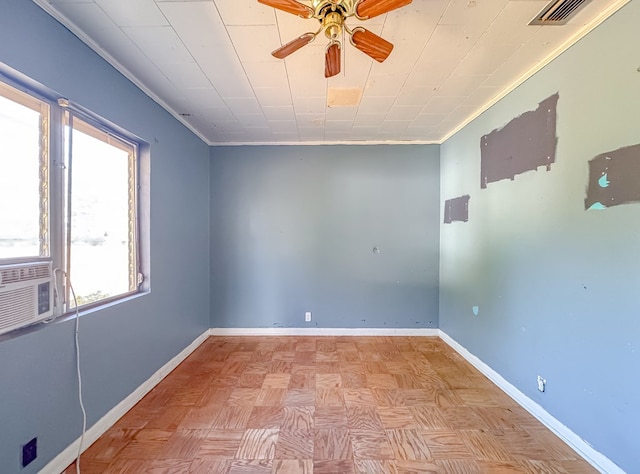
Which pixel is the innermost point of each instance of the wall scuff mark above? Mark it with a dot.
(613, 178)
(525, 143)
(456, 209)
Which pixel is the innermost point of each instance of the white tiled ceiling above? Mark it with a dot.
(208, 62)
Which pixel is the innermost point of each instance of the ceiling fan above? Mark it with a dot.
(332, 15)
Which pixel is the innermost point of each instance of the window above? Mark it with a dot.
(101, 209)
(24, 165)
(69, 194)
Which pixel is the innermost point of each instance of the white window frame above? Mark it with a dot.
(57, 113)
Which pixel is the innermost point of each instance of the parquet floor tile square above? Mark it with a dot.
(368, 466)
(243, 397)
(388, 397)
(258, 444)
(296, 444)
(329, 397)
(338, 405)
(345, 466)
(409, 466)
(304, 357)
(330, 417)
(265, 417)
(397, 418)
(354, 380)
(209, 466)
(293, 466)
(276, 380)
(429, 418)
(459, 466)
(408, 444)
(364, 417)
(332, 443)
(328, 381)
(446, 445)
(251, 466)
(327, 367)
(302, 380)
(295, 418)
(220, 444)
(371, 445)
(146, 444)
(300, 397)
(327, 357)
(183, 444)
(200, 417)
(271, 397)
(248, 380)
(358, 396)
(232, 418)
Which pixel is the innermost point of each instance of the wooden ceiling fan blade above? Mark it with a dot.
(290, 6)
(332, 60)
(372, 8)
(371, 44)
(293, 46)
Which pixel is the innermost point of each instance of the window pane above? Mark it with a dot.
(101, 230)
(20, 157)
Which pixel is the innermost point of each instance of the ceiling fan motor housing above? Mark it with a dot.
(332, 24)
(345, 6)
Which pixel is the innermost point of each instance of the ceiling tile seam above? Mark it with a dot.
(286, 70)
(243, 70)
(195, 61)
(44, 4)
(457, 63)
(124, 32)
(415, 63)
(582, 32)
(484, 33)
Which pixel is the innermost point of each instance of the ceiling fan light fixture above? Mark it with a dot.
(332, 15)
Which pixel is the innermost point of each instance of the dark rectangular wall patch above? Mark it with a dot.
(614, 178)
(456, 209)
(526, 142)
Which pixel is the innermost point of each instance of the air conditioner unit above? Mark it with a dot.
(26, 294)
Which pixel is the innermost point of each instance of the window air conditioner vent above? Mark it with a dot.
(558, 12)
(16, 273)
(26, 294)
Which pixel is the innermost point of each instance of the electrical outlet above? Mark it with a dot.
(542, 384)
(29, 452)
(307, 316)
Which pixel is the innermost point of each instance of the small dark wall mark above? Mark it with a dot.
(456, 209)
(524, 144)
(613, 178)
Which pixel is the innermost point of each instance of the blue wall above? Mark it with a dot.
(293, 230)
(556, 286)
(125, 344)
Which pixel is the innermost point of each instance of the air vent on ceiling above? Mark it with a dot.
(558, 12)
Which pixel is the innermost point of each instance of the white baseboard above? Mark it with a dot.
(66, 457)
(580, 446)
(324, 332)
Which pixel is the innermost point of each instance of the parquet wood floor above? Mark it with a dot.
(328, 405)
